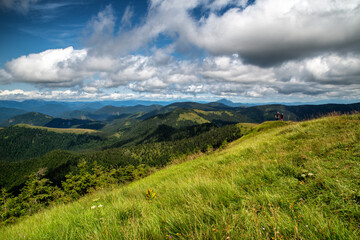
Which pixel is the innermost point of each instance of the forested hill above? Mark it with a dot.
(31, 118)
(7, 113)
(21, 143)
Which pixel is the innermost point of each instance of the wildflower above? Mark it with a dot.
(263, 229)
(228, 237)
(310, 174)
(100, 206)
(150, 195)
(93, 207)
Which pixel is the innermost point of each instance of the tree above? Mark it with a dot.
(37, 191)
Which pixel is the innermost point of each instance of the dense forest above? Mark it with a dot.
(21, 143)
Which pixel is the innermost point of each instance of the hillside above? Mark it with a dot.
(281, 181)
(258, 114)
(74, 123)
(134, 131)
(21, 142)
(31, 118)
(59, 163)
(7, 113)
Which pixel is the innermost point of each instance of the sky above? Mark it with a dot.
(176, 50)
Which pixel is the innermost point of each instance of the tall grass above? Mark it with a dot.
(281, 181)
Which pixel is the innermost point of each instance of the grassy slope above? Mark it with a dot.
(282, 181)
(63, 130)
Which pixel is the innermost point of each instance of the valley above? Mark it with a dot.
(126, 144)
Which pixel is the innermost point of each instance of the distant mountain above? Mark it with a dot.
(232, 104)
(187, 105)
(52, 108)
(117, 111)
(110, 112)
(78, 114)
(6, 113)
(31, 118)
(130, 103)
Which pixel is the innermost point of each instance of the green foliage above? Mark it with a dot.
(77, 185)
(20, 143)
(39, 192)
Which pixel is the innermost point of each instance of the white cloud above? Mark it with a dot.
(5, 77)
(330, 69)
(327, 75)
(269, 32)
(53, 67)
(272, 31)
(232, 69)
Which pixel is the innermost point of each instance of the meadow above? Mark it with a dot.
(282, 180)
(62, 130)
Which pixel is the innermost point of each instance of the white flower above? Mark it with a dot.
(100, 205)
(93, 207)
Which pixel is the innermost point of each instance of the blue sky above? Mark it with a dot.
(245, 51)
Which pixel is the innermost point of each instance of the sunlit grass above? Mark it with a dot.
(281, 181)
(62, 130)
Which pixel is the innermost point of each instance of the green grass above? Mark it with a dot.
(62, 130)
(281, 181)
(192, 117)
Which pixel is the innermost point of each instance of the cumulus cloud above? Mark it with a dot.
(266, 33)
(330, 69)
(327, 75)
(52, 67)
